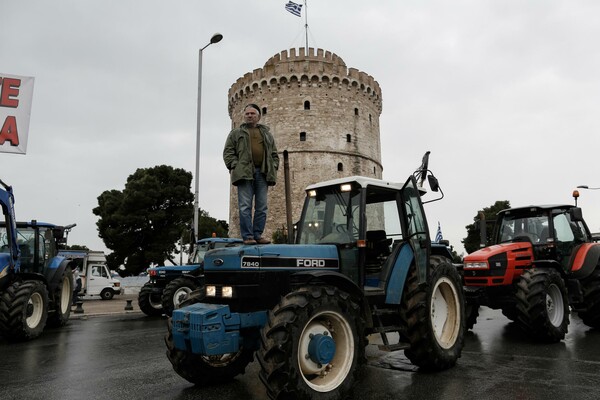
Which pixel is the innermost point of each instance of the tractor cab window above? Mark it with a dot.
(26, 244)
(533, 228)
(382, 226)
(331, 215)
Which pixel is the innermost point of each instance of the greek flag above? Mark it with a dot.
(294, 8)
(438, 235)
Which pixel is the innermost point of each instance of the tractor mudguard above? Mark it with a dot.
(329, 278)
(585, 259)
(55, 270)
(212, 329)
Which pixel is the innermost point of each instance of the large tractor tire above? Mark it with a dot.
(471, 315)
(63, 298)
(23, 310)
(177, 291)
(435, 317)
(591, 298)
(312, 345)
(150, 302)
(206, 370)
(542, 304)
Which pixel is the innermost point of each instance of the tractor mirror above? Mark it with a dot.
(433, 183)
(576, 214)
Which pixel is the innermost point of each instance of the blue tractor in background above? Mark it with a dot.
(169, 285)
(36, 285)
(362, 264)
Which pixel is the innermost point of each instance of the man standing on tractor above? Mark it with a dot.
(251, 157)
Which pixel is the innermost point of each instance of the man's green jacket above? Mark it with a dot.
(237, 155)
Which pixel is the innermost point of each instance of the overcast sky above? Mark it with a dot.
(504, 94)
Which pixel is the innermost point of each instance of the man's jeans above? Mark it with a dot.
(247, 191)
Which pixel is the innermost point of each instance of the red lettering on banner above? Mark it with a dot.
(9, 89)
(9, 131)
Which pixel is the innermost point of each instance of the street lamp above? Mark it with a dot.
(216, 38)
(587, 187)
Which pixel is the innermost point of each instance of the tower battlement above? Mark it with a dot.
(317, 68)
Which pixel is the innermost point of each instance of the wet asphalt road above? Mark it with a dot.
(123, 357)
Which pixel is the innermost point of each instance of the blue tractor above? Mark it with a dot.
(362, 264)
(170, 285)
(36, 285)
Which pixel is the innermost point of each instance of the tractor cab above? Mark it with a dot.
(366, 219)
(553, 230)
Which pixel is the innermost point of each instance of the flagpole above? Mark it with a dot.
(306, 25)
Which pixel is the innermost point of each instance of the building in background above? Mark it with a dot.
(324, 114)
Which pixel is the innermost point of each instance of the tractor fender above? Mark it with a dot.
(54, 271)
(329, 278)
(585, 260)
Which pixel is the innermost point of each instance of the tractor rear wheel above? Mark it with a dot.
(591, 299)
(471, 314)
(206, 370)
(177, 291)
(23, 310)
(149, 302)
(542, 304)
(435, 316)
(312, 345)
(63, 298)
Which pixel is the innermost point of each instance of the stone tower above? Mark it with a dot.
(325, 115)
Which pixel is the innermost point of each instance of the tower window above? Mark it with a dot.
(356, 111)
(264, 111)
(349, 138)
(340, 167)
(370, 120)
(303, 136)
(307, 105)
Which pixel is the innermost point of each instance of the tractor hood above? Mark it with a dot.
(488, 252)
(272, 257)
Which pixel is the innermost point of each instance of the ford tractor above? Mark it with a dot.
(36, 285)
(362, 263)
(169, 285)
(542, 265)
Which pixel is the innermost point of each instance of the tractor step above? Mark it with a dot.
(393, 347)
(385, 329)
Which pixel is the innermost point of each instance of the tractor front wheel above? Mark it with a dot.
(149, 301)
(176, 292)
(542, 304)
(23, 310)
(312, 345)
(435, 317)
(63, 298)
(591, 299)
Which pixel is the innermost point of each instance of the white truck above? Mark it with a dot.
(96, 279)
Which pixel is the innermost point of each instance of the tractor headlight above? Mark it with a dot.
(476, 265)
(227, 291)
(211, 291)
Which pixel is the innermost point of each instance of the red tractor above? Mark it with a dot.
(544, 263)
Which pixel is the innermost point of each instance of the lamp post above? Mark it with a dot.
(214, 39)
(587, 187)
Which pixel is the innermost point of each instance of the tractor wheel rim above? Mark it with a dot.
(445, 313)
(35, 310)
(554, 305)
(337, 330)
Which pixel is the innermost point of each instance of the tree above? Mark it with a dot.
(143, 223)
(472, 241)
(208, 225)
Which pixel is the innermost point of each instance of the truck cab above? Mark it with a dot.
(95, 276)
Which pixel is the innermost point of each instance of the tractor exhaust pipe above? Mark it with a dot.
(288, 197)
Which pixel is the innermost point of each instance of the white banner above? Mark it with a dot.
(16, 94)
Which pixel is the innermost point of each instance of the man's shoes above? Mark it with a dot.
(262, 241)
(249, 241)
